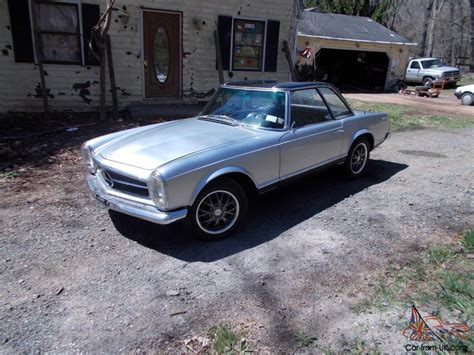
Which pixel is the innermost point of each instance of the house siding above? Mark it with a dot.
(398, 54)
(19, 81)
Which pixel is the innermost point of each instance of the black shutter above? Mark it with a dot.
(271, 49)
(21, 31)
(90, 17)
(224, 29)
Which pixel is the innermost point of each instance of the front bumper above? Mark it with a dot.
(132, 208)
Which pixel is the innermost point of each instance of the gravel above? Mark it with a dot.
(71, 280)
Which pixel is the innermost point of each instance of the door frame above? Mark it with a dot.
(142, 54)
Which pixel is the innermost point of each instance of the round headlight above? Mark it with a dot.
(156, 187)
(86, 154)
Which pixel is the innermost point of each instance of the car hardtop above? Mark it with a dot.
(275, 85)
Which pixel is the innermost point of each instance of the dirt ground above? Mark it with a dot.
(73, 279)
(445, 104)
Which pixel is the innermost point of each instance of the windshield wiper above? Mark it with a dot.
(221, 119)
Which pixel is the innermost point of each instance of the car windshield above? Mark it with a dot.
(432, 63)
(252, 107)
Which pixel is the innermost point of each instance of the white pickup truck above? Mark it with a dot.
(426, 71)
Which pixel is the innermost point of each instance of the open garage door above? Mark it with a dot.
(351, 70)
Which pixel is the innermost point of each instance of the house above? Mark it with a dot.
(352, 52)
(163, 50)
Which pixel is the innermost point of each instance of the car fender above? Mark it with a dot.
(359, 133)
(218, 173)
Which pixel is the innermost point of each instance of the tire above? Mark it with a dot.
(219, 210)
(428, 82)
(467, 99)
(356, 167)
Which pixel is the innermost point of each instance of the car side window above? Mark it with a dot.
(415, 65)
(338, 107)
(307, 107)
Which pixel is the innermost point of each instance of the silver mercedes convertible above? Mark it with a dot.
(250, 137)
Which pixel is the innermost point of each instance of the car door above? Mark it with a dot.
(413, 71)
(315, 137)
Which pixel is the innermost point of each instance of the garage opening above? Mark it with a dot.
(353, 71)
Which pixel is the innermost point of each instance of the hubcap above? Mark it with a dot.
(217, 212)
(359, 158)
(467, 99)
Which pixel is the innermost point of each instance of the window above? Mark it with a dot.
(336, 105)
(64, 29)
(248, 45)
(432, 63)
(307, 107)
(415, 65)
(58, 32)
(247, 51)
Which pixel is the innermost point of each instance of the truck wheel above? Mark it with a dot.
(428, 82)
(358, 158)
(219, 210)
(466, 99)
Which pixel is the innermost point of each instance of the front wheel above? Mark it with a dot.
(466, 99)
(428, 82)
(358, 158)
(219, 210)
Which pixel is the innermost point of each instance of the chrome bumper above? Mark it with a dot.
(131, 208)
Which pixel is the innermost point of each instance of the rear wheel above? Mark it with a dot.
(466, 99)
(358, 158)
(219, 210)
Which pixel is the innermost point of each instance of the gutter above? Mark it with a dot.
(357, 40)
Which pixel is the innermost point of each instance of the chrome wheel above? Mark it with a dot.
(466, 99)
(359, 158)
(217, 212)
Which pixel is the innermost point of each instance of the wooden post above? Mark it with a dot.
(219, 57)
(294, 74)
(44, 91)
(113, 86)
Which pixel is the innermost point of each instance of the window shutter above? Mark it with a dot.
(224, 29)
(90, 17)
(21, 31)
(271, 49)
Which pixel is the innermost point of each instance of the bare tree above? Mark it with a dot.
(99, 48)
(472, 35)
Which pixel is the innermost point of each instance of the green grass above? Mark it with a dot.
(431, 283)
(468, 240)
(226, 341)
(404, 118)
(303, 340)
(8, 175)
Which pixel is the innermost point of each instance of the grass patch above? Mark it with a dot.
(442, 279)
(8, 175)
(226, 340)
(303, 340)
(403, 117)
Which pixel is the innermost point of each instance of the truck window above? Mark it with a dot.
(415, 65)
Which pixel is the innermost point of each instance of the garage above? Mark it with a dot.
(352, 70)
(354, 53)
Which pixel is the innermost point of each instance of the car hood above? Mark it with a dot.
(464, 88)
(441, 69)
(153, 146)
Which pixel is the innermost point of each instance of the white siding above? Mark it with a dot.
(18, 80)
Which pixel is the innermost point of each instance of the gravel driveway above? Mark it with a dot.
(69, 281)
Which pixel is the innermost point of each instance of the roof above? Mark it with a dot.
(272, 84)
(348, 28)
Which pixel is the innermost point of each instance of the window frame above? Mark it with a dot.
(417, 62)
(80, 34)
(264, 44)
(343, 100)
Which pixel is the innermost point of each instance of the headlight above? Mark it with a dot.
(156, 187)
(86, 154)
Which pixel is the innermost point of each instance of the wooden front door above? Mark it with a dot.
(162, 62)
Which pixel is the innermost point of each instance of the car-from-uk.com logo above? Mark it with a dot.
(428, 334)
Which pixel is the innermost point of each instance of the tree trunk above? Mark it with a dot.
(472, 35)
(422, 48)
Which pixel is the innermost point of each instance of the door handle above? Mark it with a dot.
(339, 131)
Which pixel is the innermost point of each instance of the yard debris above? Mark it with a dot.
(58, 290)
(178, 313)
(172, 293)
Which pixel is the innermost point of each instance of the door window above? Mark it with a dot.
(162, 54)
(307, 107)
(338, 108)
(415, 65)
